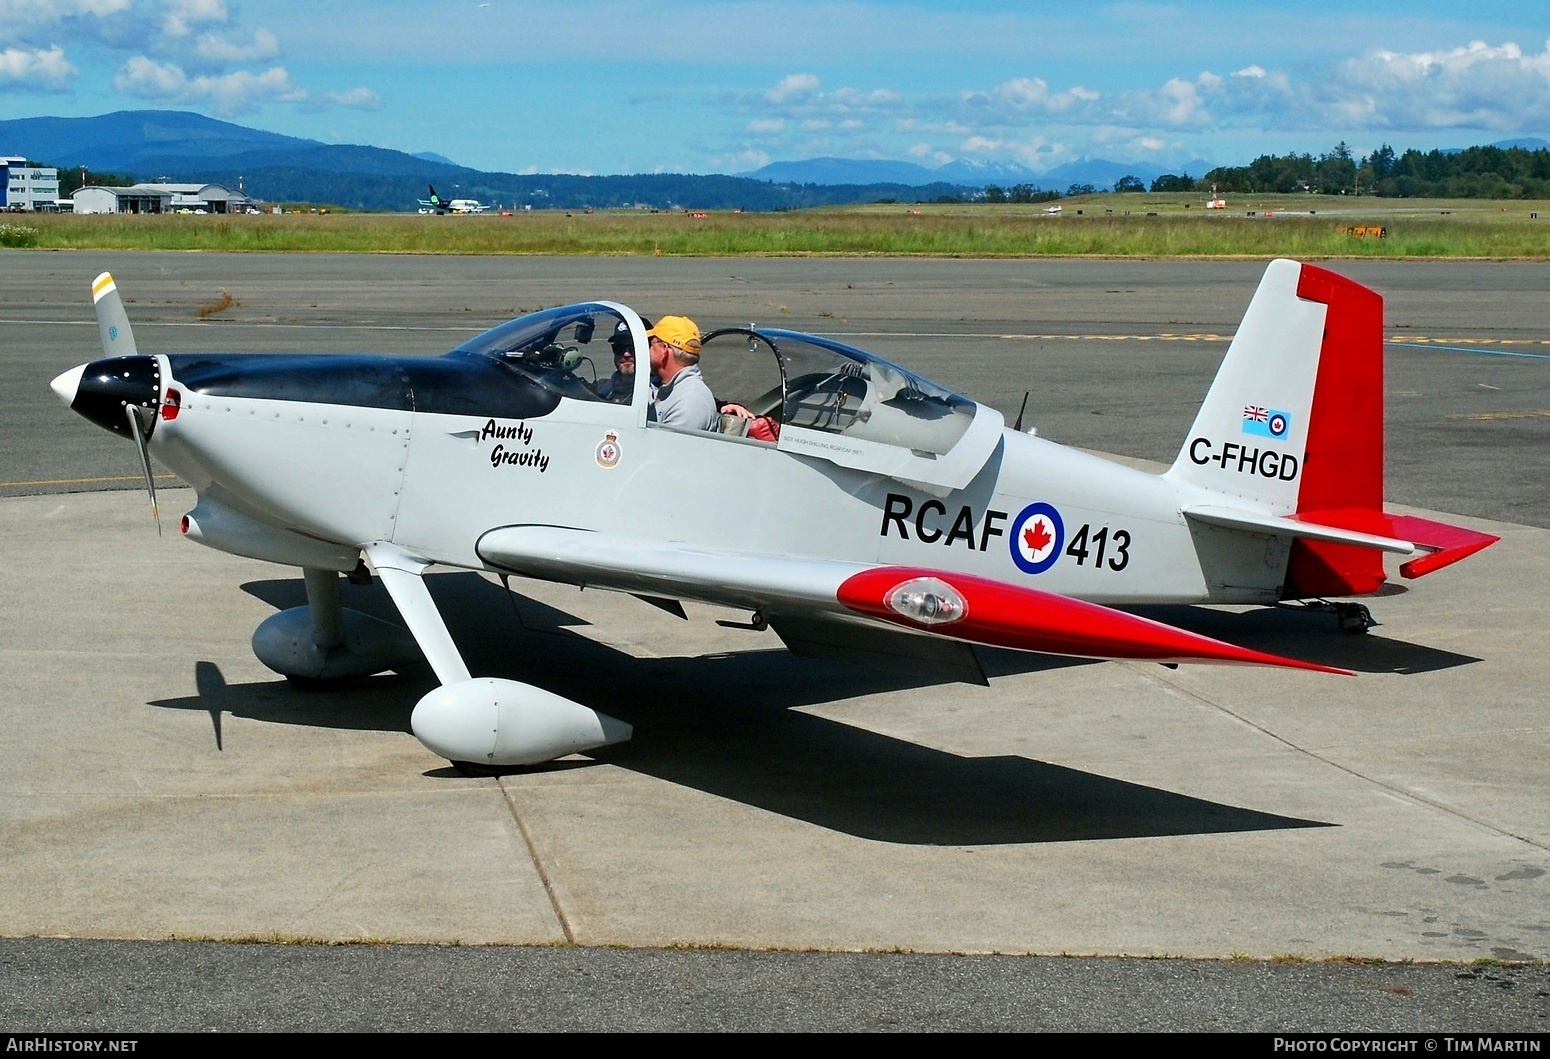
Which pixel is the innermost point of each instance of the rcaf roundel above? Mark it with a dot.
(1036, 537)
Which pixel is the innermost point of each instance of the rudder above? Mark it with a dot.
(1343, 460)
(1293, 423)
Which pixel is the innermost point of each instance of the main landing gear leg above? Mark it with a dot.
(483, 721)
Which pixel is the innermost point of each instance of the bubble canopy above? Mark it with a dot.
(811, 387)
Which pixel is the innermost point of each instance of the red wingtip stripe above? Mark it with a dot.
(1028, 619)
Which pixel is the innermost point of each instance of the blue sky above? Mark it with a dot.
(603, 86)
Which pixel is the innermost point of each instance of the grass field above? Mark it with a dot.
(1140, 226)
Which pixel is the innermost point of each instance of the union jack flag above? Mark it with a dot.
(1255, 413)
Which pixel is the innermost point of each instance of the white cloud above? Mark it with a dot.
(43, 25)
(228, 94)
(793, 88)
(1181, 100)
(1018, 100)
(239, 92)
(44, 70)
(1477, 86)
(1500, 88)
(48, 12)
(798, 97)
(353, 99)
(219, 50)
(181, 16)
(855, 99)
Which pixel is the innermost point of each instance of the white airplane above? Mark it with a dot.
(436, 204)
(1052, 210)
(891, 521)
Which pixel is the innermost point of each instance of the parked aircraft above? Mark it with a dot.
(436, 204)
(883, 519)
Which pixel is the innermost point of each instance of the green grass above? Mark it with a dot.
(18, 235)
(1138, 226)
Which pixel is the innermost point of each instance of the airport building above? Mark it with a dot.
(27, 187)
(161, 198)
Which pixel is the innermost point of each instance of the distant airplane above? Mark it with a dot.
(436, 204)
(1052, 210)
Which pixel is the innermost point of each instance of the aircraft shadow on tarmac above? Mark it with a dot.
(1310, 635)
(729, 725)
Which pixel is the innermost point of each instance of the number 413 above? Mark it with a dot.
(1086, 544)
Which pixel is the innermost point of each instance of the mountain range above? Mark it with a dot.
(186, 147)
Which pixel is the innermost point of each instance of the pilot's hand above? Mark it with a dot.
(737, 410)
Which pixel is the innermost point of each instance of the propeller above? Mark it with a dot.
(118, 340)
(140, 430)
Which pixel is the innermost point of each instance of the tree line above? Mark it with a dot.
(1472, 173)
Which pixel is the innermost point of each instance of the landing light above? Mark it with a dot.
(927, 600)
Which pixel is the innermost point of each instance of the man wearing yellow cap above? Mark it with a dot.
(680, 397)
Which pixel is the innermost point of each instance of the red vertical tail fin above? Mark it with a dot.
(1343, 459)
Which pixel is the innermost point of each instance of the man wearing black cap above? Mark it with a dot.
(620, 386)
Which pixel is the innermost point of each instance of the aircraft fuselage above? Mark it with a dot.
(352, 450)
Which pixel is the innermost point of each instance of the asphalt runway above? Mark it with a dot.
(161, 792)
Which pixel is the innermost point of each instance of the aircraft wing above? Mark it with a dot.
(914, 599)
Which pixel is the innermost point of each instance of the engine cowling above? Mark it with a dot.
(490, 721)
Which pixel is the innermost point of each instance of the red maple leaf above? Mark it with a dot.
(1035, 537)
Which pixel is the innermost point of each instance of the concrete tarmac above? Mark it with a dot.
(160, 783)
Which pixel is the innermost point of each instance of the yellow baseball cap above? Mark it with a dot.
(680, 332)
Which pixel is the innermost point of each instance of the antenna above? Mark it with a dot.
(1018, 426)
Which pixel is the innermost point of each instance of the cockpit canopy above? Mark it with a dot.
(564, 350)
(808, 387)
(814, 383)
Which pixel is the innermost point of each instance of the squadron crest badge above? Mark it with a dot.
(608, 451)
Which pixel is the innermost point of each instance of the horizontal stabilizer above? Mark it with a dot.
(1442, 544)
(1027, 619)
(1301, 525)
